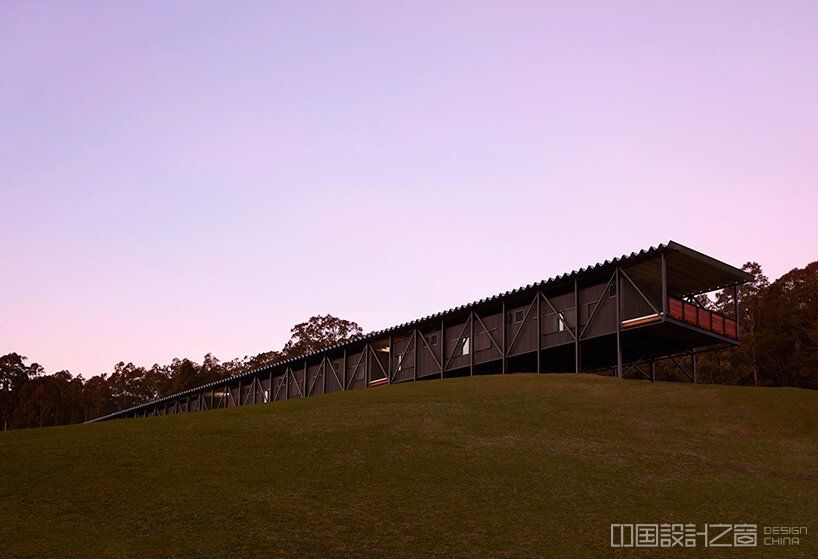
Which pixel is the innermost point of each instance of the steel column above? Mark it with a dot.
(539, 329)
(503, 323)
(664, 287)
(367, 354)
(576, 326)
(389, 362)
(344, 376)
(442, 347)
(735, 303)
(618, 327)
(415, 372)
(471, 344)
(694, 359)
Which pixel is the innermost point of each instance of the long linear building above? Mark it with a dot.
(621, 315)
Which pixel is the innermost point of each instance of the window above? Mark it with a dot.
(612, 290)
(465, 346)
(570, 317)
(433, 339)
(400, 362)
(555, 322)
(514, 317)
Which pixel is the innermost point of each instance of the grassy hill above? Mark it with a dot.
(521, 465)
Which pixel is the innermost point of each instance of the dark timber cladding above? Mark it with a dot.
(619, 316)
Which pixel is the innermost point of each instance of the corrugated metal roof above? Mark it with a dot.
(595, 268)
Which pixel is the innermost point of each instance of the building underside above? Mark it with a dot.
(622, 315)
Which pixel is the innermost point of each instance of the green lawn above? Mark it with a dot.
(496, 466)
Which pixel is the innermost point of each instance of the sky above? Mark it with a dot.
(178, 178)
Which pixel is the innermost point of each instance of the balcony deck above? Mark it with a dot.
(700, 317)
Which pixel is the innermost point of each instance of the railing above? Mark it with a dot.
(701, 317)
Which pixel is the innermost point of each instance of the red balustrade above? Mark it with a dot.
(701, 317)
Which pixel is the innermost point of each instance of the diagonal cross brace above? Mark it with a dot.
(459, 341)
(572, 329)
(522, 324)
(596, 307)
(639, 291)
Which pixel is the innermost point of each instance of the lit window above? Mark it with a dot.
(560, 322)
(465, 346)
(400, 362)
(518, 316)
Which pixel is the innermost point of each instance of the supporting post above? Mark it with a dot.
(324, 376)
(503, 324)
(539, 330)
(735, 303)
(664, 287)
(239, 392)
(576, 327)
(618, 328)
(344, 375)
(694, 359)
(287, 383)
(304, 392)
(253, 387)
(471, 344)
(652, 371)
(367, 356)
(389, 361)
(442, 348)
(415, 370)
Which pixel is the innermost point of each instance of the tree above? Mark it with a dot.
(262, 359)
(788, 338)
(751, 297)
(97, 398)
(13, 375)
(319, 332)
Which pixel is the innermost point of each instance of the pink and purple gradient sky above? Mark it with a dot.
(183, 178)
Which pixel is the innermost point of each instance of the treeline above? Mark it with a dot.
(778, 324)
(31, 398)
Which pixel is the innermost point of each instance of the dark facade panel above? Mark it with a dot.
(429, 353)
(335, 375)
(356, 370)
(457, 345)
(280, 387)
(315, 381)
(487, 337)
